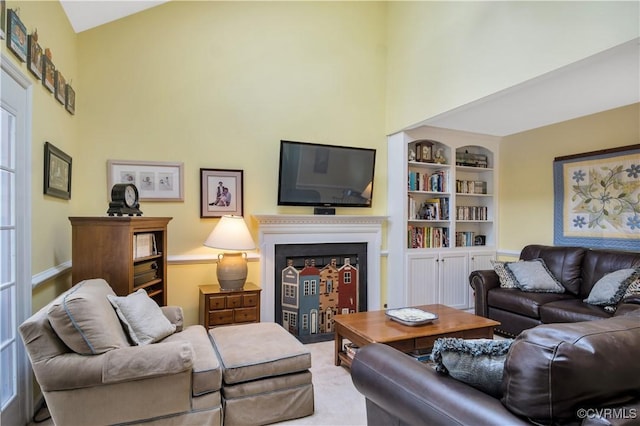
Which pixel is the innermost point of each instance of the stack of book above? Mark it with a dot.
(145, 272)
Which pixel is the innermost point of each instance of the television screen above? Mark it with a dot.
(325, 175)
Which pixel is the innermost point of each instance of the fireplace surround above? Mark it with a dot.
(317, 229)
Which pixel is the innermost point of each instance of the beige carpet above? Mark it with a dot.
(337, 402)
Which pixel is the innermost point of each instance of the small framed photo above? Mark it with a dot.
(48, 74)
(70, 104)
(221, 192)
(155, 180)
(17, 36)
(34, 56)
(60, 88)
(57, 172)
(3, 18)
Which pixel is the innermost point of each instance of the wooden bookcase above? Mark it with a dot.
(105, 247)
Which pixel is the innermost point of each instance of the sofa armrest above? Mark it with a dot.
(482, 281)
(415, 394)
(175, 316)
(73, 371)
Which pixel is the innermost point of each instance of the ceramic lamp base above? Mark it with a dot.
(232, 270)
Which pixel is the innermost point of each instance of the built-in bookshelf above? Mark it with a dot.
(129, 252)
(442, 209)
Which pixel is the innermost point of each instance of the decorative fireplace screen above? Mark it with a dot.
(316, 282)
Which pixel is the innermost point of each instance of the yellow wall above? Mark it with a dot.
(446, 54)
(218, 84)
(51, 239)
(526, 169)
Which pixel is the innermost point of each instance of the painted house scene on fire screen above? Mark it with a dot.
(313, 295)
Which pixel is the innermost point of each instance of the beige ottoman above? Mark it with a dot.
(265, 374)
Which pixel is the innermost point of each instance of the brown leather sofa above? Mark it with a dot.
(577, 269)
(583, 373)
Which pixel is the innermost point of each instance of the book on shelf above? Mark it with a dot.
(435, 182)
(471, 187)
(144, 245)
(471, 213)
(427, 237)
(145, 277)
(147, 266)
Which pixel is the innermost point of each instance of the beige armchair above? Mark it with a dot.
(91, 373)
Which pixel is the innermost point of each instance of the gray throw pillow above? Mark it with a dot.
(610, 289)
(534, 276)
(476, 362)
(142, 317)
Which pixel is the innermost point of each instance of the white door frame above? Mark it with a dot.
(23, 232)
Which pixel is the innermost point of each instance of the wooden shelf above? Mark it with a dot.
(103, 247)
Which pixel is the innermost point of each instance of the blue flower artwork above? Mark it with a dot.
(597, 199)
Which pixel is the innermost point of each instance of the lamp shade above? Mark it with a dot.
(231, 233)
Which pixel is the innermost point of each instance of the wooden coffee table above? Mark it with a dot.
(362, 328)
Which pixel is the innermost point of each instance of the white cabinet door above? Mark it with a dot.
(454, 278)
(423, 281)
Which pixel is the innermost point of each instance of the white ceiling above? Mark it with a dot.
(86, 14)
(598, 83)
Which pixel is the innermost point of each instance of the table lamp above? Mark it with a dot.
(231, 233)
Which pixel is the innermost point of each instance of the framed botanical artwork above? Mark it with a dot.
(597, 199)
(3, 18)
(57, 172)
(155, 180)
(221, 192)
(48, 74)
(17, 36)
(60, 88)
(70, 104)
(34, 55)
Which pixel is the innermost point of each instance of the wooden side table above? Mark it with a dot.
(220, 307)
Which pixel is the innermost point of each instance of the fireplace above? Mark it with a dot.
(318, 230)
(316, 282)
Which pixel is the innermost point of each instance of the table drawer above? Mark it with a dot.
(245, 314)
(216, 302)
(250, 299)
(223, 316)
(234, 301)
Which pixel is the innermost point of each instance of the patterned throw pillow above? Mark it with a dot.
(476, 362)
(506, 279)
(612, 287)
(633, 290)
(534, 276)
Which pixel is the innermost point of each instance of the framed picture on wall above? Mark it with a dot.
(34, 56)
(221, 192)
(17, 36)
(596, 199)
(48, 74)
(61, 88)
(155, 180)
(70, 104)
(57, 172)
(3, 18)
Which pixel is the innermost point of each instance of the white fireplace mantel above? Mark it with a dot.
(317, 229)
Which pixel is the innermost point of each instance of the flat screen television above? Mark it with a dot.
(325, 175)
